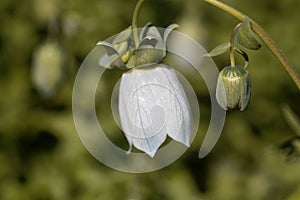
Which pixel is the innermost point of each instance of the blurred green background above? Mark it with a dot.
(41, 156)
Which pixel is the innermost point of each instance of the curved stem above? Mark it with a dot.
(134, 22)
(232, 60)
(232, 37)
(264, 36)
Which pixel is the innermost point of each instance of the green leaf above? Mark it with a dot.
(246, 36)
(218, 50)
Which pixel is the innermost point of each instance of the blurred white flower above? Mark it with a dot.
(47, 69)
(152, 105)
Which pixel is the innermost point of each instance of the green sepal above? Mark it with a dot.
(121, 51)
(152, 48)
(144, 31)
(149, 52)
(245, 56)
(153, 32)
(246, 37)
(123, 36)
(112, 58)
(218, 50)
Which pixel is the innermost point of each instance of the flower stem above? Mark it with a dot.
(264, 36)
(232, 37)
(134, 22)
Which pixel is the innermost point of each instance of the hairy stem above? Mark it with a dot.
(134, 22)
(264, 36)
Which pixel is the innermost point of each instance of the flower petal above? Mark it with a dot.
(149, 146)
(179, 108)
(152, 104)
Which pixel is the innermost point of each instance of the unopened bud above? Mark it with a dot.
(233, 88)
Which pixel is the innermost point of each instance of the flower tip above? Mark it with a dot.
(202, 153)
(99, 43)
(173, 26)
(129, 150)
(151, 154)
(104, 43)
(186, 143)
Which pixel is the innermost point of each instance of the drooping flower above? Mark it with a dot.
(152, 101)
(233, 88)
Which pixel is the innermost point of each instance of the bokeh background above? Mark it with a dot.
(41, 156)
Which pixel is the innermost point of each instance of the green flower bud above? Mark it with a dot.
(233, 88)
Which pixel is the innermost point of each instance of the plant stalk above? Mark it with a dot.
(232, 37)
(134, 22)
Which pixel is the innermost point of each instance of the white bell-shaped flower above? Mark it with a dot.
(152, 105)
(152, 101)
